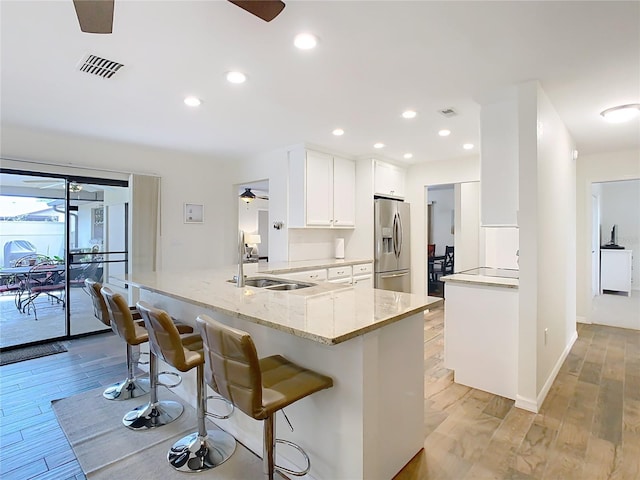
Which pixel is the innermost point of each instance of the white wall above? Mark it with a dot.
(620, 205)
(601, 167)
(186, 177)
(248, 214)
(464, 169)
(467, 236)
(555, 242)
(442, 200)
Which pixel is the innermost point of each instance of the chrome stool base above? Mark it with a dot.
(129, 388)
(194, 453)
(152, 415)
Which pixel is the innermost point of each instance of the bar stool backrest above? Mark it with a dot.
(164, 338)
(99, 306)
(122, 322)
(232, 364)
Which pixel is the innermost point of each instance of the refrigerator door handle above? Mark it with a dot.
(394, 275)
(394, 235)
(399, 235)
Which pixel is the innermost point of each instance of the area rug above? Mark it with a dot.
(28, 353)
(106, 449)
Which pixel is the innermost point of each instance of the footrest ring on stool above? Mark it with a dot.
(231, 406)
(302, 452)
(169, 385)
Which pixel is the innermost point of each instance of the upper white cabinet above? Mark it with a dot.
(321, 190)
(388, 180)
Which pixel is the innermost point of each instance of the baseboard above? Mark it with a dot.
(556, 368)
(581, 319)
(526, 404)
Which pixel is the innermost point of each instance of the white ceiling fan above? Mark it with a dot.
(73, 186)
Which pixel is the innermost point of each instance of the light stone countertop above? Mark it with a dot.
(492, 277)
(327, 313)
(279, 268)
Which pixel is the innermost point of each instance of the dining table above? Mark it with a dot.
(30, 279)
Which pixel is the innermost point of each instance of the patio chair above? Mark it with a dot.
(44, 279)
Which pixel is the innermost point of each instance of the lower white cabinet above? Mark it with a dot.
(319, 275)
(360, 274)
(615, 270)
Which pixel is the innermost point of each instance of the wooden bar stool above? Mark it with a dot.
(258, 387)
(201, 450)
(131, 387)
(155, 413)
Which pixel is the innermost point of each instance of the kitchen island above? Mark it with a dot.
(481, 329)
(370, 424)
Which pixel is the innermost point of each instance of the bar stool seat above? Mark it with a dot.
(130, 387)
(201, 450)
(258, 387)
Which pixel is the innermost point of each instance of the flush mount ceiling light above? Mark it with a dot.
(338, 132)
(247, 196)
(444, 132)
(408, 155)
(305, 41)
(621, 113)
(236, 77)
(192, 101)
(467, 146)
(378, 145)
(409, 114)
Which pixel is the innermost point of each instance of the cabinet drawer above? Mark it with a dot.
(339, 272)
(309, 275)
(362, 269)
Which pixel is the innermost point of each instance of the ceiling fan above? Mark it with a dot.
(73, 186)
(96, 16)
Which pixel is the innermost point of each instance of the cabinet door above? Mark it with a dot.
(319, 191)
(344, 199)
(388, 180)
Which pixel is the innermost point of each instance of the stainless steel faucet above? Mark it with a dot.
(240, 278)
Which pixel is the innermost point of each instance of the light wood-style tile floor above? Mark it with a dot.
(587, 428)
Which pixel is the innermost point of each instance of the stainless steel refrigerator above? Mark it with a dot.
(392, 264)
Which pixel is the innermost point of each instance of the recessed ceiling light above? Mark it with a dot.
(409, 114)
(236, 77)
(621, 113)
(467, 146)
(305, 41)
(192, 101)
(338, 132)
(408, 155)
(444, 132)
(378, 145)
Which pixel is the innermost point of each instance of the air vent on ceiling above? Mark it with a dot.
(99, 66)
(448, 112)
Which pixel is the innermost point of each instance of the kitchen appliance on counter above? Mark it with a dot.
(392, 252)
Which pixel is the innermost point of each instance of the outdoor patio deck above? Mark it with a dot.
(19, 328)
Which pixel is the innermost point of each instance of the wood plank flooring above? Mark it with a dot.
(588, 428)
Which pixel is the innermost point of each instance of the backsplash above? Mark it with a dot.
(314, 244)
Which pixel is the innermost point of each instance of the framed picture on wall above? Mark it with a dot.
(193, 213)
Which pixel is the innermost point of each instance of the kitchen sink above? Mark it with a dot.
(274, 284)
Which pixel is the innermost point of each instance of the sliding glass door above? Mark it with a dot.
(55, 232)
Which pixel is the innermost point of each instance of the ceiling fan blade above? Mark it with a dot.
(95, 16)
(267, 10)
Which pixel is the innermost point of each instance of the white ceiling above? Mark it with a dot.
(374, 59)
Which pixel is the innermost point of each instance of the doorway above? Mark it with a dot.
(616, 238)
(253, 219)
(57, 231)
(441, 207)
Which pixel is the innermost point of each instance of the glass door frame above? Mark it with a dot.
(68, 261)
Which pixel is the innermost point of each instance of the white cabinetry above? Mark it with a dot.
(319, 275)
(615, 270)
(388, 180)
(359, 274)
(339, 274)
(321, 190)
